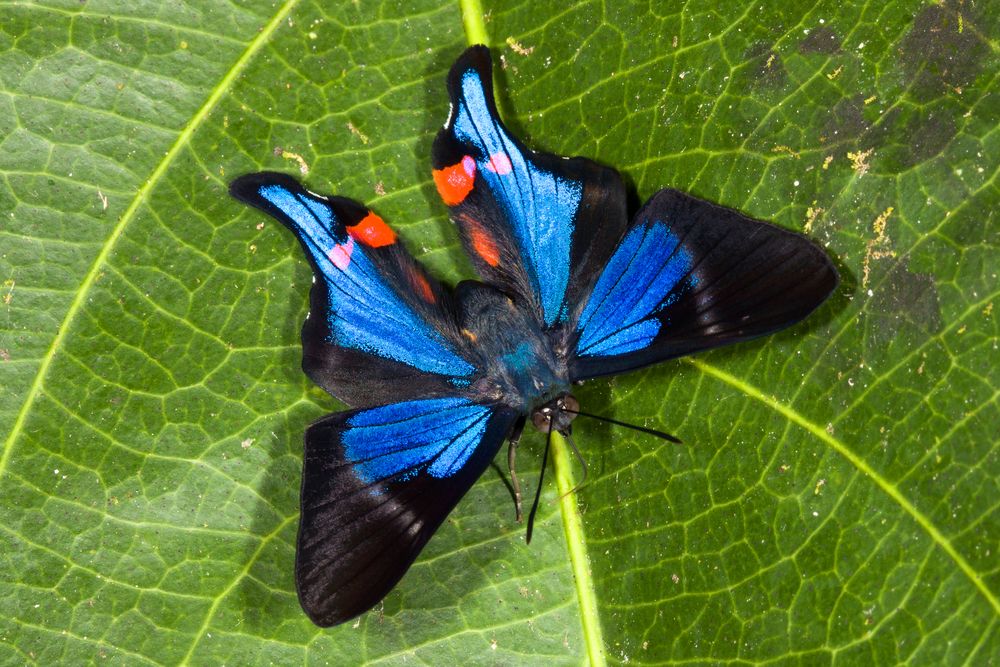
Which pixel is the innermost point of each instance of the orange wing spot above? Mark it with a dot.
(471, 336)
(484, 245)
(372, 231)
(423, 287)
(454, 183)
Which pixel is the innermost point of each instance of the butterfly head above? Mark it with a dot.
(556, 415)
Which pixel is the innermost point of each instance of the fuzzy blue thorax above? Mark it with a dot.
(521, 366)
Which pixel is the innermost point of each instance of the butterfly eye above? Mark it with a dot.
(569, 403)
(542, 419)
(556, 415)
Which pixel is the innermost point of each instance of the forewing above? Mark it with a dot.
(537, 225)
(380, 328)
(376, 484)
(690, 275)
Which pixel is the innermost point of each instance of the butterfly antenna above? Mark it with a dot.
(651, 431)
(541, 476)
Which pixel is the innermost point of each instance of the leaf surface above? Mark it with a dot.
(835, 501)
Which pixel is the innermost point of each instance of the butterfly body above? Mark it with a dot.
(519, 364)
(438, 378)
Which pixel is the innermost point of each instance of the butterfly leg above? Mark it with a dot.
(515, 437)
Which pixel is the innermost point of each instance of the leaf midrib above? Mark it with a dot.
(473, 20)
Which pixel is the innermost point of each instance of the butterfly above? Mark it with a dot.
(439, 378)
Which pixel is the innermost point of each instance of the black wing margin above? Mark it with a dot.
(689, 276)
(376, 484)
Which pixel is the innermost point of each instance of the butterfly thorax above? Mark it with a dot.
(519, 365)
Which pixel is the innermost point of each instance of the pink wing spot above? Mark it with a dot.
(340, 254)
(499, 164)
(469, 164)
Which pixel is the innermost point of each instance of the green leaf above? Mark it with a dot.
(835, 501)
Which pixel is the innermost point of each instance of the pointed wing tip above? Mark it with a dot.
(447, 150)
(478, 59)
(476, 56)
(246, 188)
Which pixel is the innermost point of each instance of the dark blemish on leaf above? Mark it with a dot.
(930, 135)
(767, 67)
(820, 40)
(943, 52)
(909, 136)
(903, 301)
(846, 122)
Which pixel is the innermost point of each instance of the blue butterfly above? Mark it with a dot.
(439, 379)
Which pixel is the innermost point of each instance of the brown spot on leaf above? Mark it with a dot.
(903, 301)
(820, 40)
(912, 137)
(932, 135)
(846, 121)
(767, 66)
(943, 51)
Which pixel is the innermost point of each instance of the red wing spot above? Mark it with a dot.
(485, 247)
(454, 183)
(422, 286)
(482, 242)
(499, 164)
(372, 231)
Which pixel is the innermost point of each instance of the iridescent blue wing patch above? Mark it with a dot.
(380, 327)
(689, 276)
(376, 485)
(435, 436)
(649, 270)
(537, 225)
